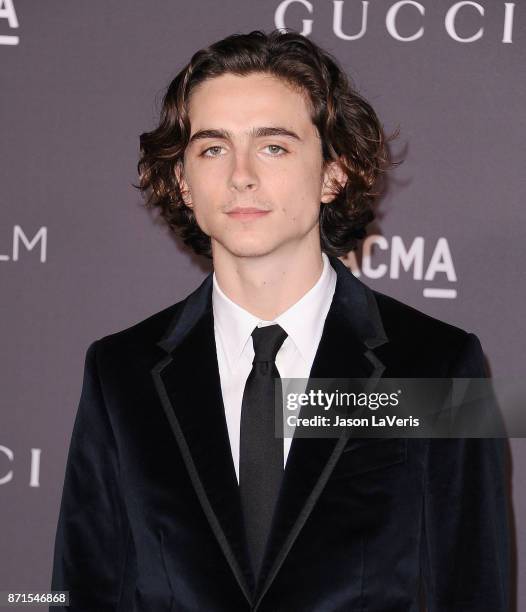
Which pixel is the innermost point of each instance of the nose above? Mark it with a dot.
(243, 176)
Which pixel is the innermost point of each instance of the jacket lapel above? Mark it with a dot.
(196, 415)
(188, 383)
(352, 329)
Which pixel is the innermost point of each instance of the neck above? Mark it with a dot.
(268, 285)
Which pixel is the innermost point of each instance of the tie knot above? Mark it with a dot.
(267, 342)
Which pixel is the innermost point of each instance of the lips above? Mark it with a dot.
(245, 213)
(246, 210)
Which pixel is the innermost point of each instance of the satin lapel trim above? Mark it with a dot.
(353, 326)
(188, 384)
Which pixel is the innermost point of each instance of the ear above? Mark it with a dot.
(183, 185)
(333, 175)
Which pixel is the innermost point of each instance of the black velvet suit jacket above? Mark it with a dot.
(150, 519)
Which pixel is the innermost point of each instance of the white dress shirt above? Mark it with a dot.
(233, 327)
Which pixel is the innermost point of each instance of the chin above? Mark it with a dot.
(250, 252)
(249, 248)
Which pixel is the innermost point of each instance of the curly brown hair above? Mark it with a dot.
(349, 129)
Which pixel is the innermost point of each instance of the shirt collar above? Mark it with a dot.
(303, 321)
(233, 323)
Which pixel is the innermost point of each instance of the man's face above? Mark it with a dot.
(253, 166)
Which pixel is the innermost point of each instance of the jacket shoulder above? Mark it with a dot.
(141, 343)
(399, 319)
(141, 336)
(422, 345)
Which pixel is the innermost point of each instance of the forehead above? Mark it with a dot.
(231, 101)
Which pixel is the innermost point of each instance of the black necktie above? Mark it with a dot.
(260, 452)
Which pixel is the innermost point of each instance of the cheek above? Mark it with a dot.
(305, 180)
(294, 181)
(307, 193)
(202, 204)
(202, 190)
(206, 186)
(301, 211)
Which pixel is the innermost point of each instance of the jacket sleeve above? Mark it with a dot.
(465, 540)
(93, 545)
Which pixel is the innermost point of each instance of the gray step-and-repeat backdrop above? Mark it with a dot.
(80, 257)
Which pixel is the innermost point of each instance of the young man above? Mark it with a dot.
(178, 495)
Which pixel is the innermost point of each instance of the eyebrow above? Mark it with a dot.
(260, 132)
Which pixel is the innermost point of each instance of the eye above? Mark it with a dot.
(276, 150)
(212, 151)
